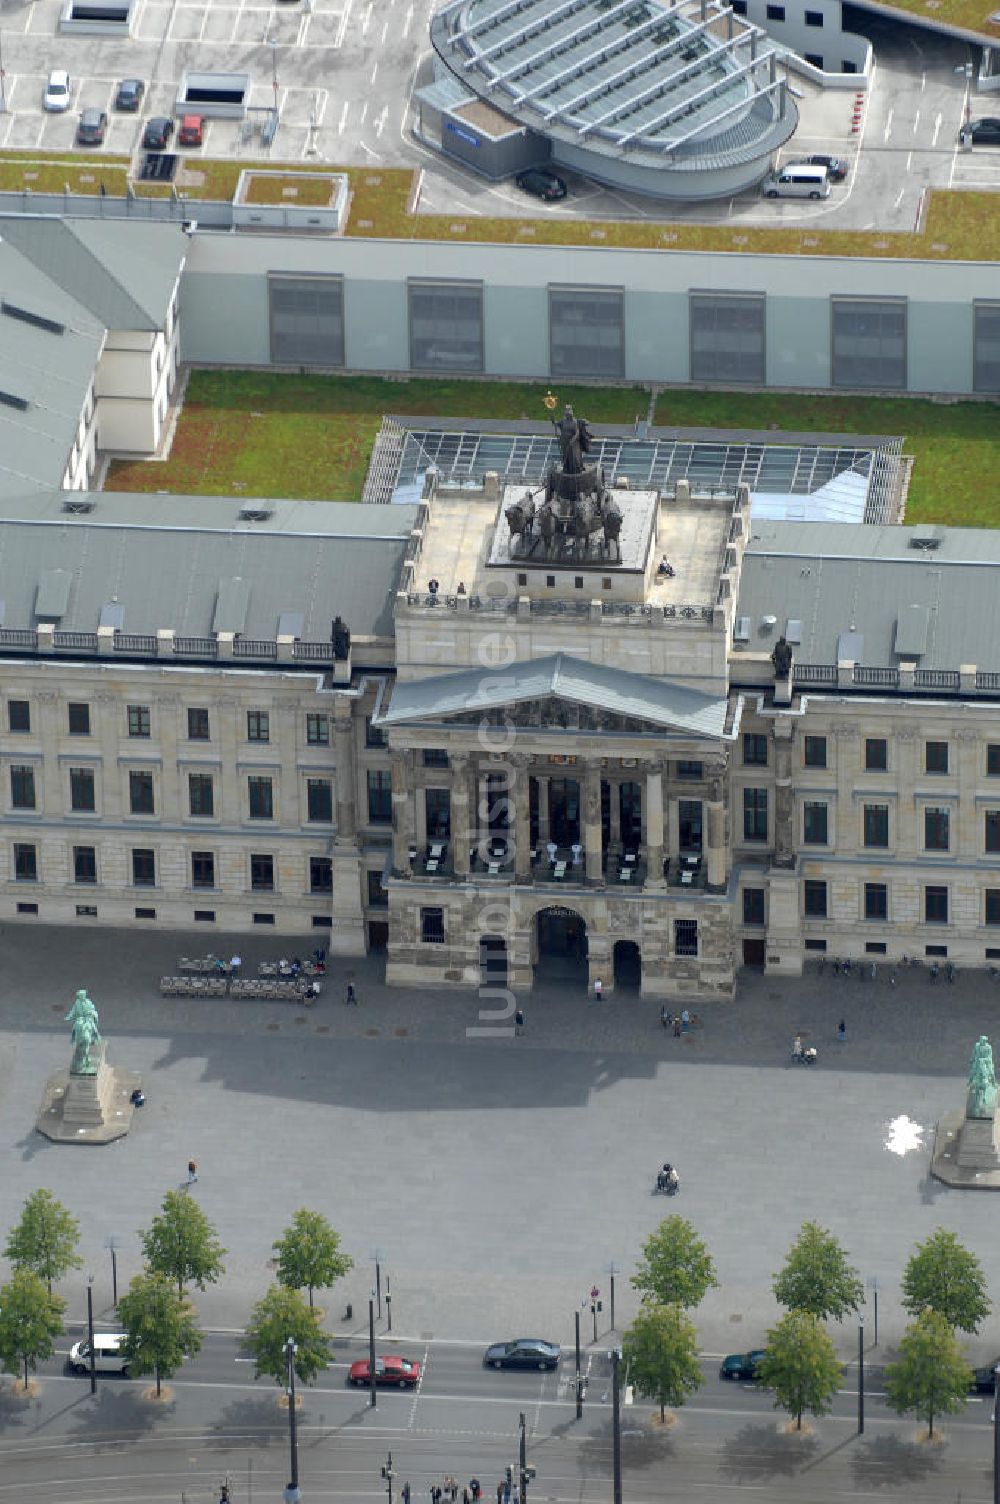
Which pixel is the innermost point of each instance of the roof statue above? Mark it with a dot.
(84, 1033)
(579, 518)
(782, 658)
(341, 635)
(982, 1098)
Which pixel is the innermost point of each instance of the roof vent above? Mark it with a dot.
(255, 514)
(793, 631)
(741, 632)
(52, 595)
(10, 399)
(13, 311)
(78, 508)
(768, 623)
(927, 538)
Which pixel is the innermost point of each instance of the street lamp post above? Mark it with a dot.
(112, 1245)
(90, 1333)
(292, 1494)
(371, 1352)
(996, 1434)
(388, 1475)
(579, 1376)
(873, 1287)
(522, 1457)
(616, 1422)
(612, 1271)
(861, 1374)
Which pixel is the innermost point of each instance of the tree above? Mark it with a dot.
(800, 1365)
(676, 1268)
(817, 1277)
(30, 1322)
(45, 1239)
(283, 1313)
(309, 1254)
(159, 1325)
(660, 1350)
(930, 1376)
(943, 1276)
(182, 1243)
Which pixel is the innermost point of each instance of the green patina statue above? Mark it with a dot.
(84, 1034)
(982, 1098)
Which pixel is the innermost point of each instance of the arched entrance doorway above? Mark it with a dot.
(492, 961)
(561, 938)
(627, 966)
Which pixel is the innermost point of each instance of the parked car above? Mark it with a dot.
(984, 1379)
(92, 128)
(192, 131)
(985, 132)
(742, 1366)
(541, 183)
(522, 1352)
(400, 1373)
(57, 91)
(129, 95)
(836, 167)
(158, 132)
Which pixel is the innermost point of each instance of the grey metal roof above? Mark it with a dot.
(242, 514)
(177, 577)
(872, 582)
(672, 706)
(124, 273)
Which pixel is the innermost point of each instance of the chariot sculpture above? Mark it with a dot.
(578, 517)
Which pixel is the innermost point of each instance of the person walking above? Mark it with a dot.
(519, 1022)
(665, 1018)
(192, 1172)
(351, 996)
(677, 1026)
(598, 989)
(842, 1031)
(234, 966)
(685, 1020)
(405, 1493)
(500, 1492)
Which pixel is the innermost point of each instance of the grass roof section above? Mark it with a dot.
(970, 15)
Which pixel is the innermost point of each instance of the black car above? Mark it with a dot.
(836, 167)
(523, 1352)
(985, 132)
(984, 1379)
(742, 1366)
(542, 183)
(157, 133)
(129, 95)
(92, 127)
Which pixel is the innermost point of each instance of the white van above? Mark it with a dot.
(798, 180)
(108, 1357)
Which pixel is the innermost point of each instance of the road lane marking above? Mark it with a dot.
(368, 19)
(343, 117)
(888, 125)
(909, 160)
(916, 122)
(408, 21)
(338, 40)
(938, 118)
(899, 198)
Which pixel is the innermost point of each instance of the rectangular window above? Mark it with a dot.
(936, 905)
(993, 759)
(936, 757)
(201, 794)
(18, 715)
(935, 829)
(755, 814)
(25, 863)
(143, 867)
(258, 726)
(378, 898)
(876, 825)
(993, 905)
(81, 789)
(876, 754)
(814, 824)
(320, 874)
(318, 730)
(138, 720)
(689, 769)
(869, 343)
(86, 911)
(79, 719)
(753, 905)
(84, 864)
(815, 752)
(816, 58)
(814, 898)
(775, 12)
(446, 325)
(140, 794)
(586, 331)
(262, 873)
(319, 799)
(685, 937)
(198, 728)
(379, 796)
(437, 805)
(432, 926)
(814, 18)
(754, 750)
(727, 337)
(435, 757)
(263, 919)
(992, 832)
(374, 735)
(306, 320)
(876, 901)
(261, 798)
(204, 916)
(986, 347)
(22, 788)
(203, 869)
(145, 913)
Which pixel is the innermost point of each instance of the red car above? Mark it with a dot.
(401, 1373)
(192, 130)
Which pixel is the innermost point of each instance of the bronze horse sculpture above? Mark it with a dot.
(576, 504)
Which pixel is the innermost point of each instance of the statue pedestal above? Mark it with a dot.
(91, 1109)
(967, 1152)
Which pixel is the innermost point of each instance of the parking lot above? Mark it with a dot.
(342, 72)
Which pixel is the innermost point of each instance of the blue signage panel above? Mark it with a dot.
(462, 134)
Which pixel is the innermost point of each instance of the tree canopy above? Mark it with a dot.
(943, 1276)
(159, 1325)
(309, 1254)
(930, 1377)
(30, 1322)
(181, 1243)
(800, 1366)
(660, 1351)
(45, 1239)
(676, 1268)
(817, 1277)
(280, 1314)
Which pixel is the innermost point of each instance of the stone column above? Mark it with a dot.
(402, 811)
(592, 842)
(521, 797)
(543, 808)
(462, 804)
(715, 831)
(784, 803)
(654, 825)
(343, 735)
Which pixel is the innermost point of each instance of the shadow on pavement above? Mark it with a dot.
(116, 1416)
(888, 1462)
(761, 1451)
(257, 1417)
(15, 1409)
(642, 1447)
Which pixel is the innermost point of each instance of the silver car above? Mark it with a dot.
(57, 91)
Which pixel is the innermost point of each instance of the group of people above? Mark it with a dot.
(449, 1489)
(679, 1023)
